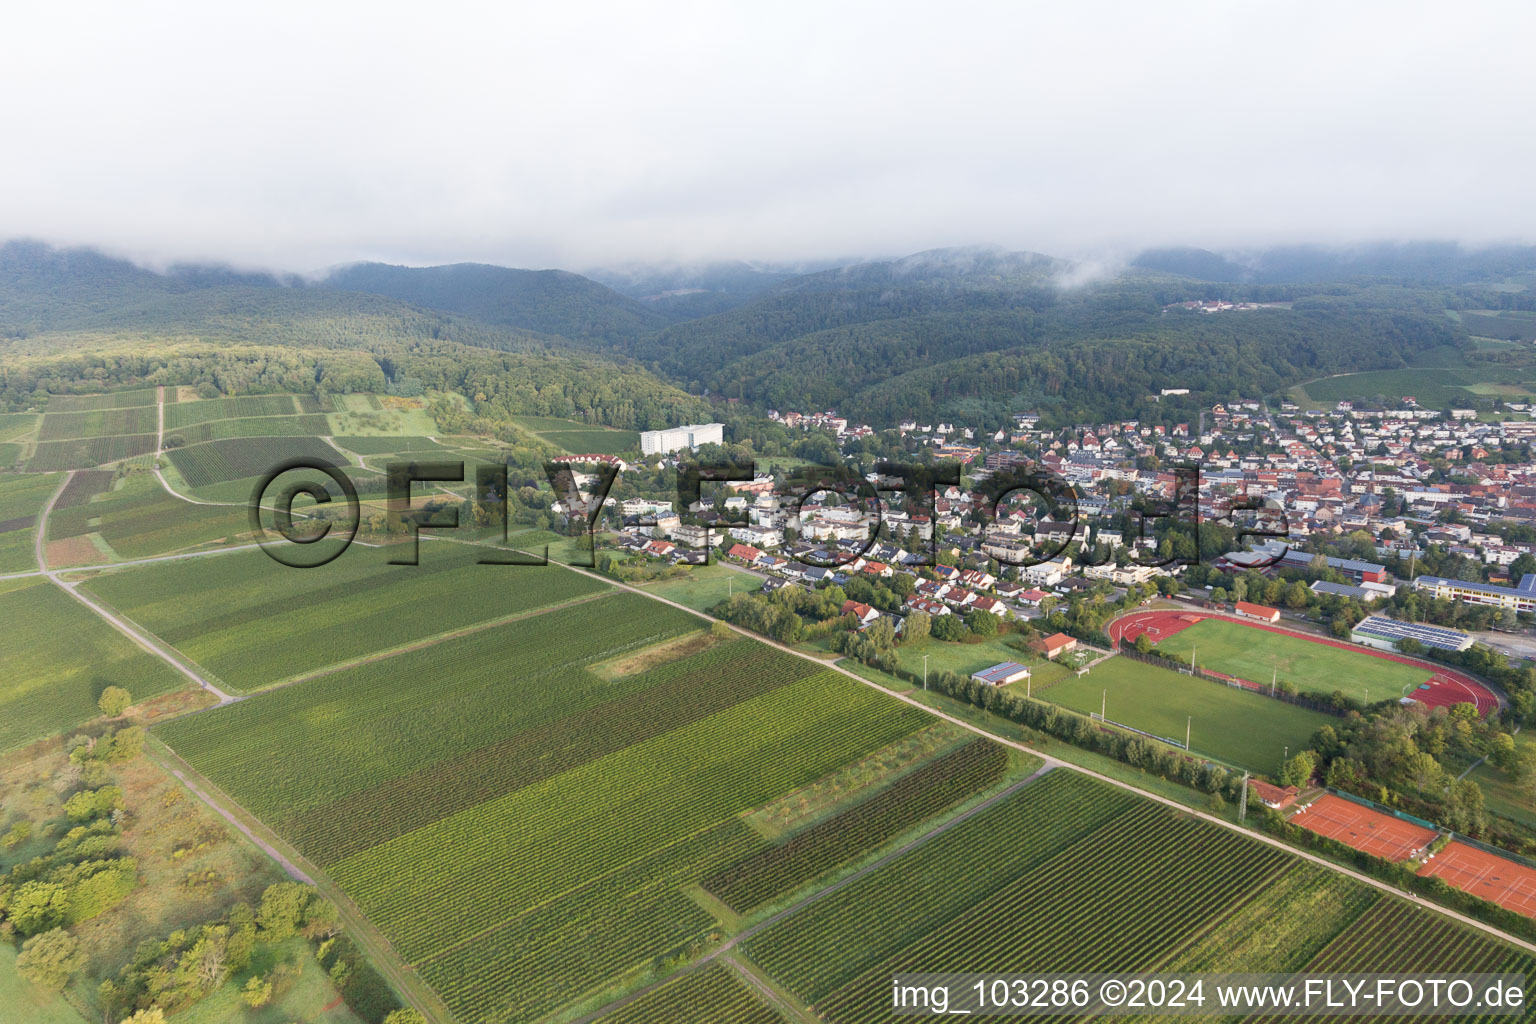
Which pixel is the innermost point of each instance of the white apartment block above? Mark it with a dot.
(659, 442)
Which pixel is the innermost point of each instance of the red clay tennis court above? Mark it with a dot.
(1363, 828)
(1508, 883)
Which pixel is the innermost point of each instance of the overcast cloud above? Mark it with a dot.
(569, 134)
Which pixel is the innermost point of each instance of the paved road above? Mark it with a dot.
(283, 862)
(142, 640)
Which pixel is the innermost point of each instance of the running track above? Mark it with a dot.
(1446, 685)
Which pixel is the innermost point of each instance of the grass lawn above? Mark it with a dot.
(312, 999)
(705, 586)
(27, 1001)
(1256, 654)
(383, 422)
(1000, 726)
(966, 658)
(17, 425)
(1236, 726)
(1500, 792)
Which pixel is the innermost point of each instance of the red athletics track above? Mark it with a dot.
(1508, 883)
(1446, 685)
(1365, 829)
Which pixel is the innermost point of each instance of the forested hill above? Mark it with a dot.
(1405, 263)
(969, 333)
(78, 321)
(982, 332)
(689, 291)
(547, 301)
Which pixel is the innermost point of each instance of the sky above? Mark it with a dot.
(580, 135)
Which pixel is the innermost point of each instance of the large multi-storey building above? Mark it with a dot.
(1521, 598)
(659, 442)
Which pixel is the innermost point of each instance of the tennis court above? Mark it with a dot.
(1488, 876)
(1365, 829)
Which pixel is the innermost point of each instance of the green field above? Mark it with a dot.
(139, 519)
(561, 828)
(594, 442)
(705, 586)
(85, 453)
(580, 438)
(17, 425)
(237, 458)
(1508, 324)
(1237, 726)
(252, 622)
(367, 416)
(256, 426)
(914, 797)
(22, 497)
(184, 414)
(18, 551)
(25, 494)
(1446, 386)
(59, 657)
(59, 426)
(1074, 874)
(965, 658)
(88, 403)
(1261, 656)
(1035, 889)
(714, 993)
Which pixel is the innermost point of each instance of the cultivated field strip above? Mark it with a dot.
(88, 452)
(314, 743)
(1121, 899)
(1282, 928)
(606, 927)
(612, 811)
(912, 798)
(713, 993)
(82, 487)
(88, 403)
(139, 519)
(256, 426)
(58, 658)
(635, 709)
(831, 942)
(25, 495)
(1396, 937)
(254, 622)
(236, 458)
(184, 414)
(63, 426)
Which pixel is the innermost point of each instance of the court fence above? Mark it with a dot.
(1497, 851)
(1384, 809)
